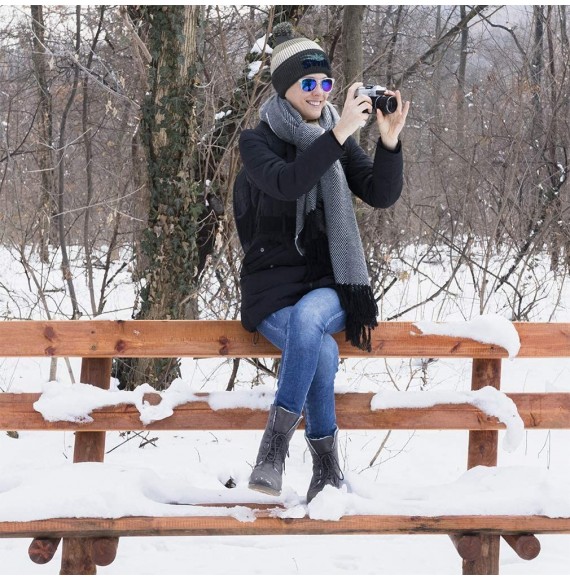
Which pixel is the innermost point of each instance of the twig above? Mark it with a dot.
(135, 435)
(382, 445)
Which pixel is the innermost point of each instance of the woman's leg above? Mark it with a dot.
(310, 357)
(320, 412)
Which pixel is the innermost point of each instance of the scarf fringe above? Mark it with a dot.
(361, 312)
(357, 300)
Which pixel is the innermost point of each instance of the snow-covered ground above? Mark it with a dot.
(415, 473)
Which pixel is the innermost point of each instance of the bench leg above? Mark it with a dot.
(483, 451)
(488, 562)
(77, 553)
(76, 558)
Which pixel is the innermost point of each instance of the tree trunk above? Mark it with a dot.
(169, 124)
(87, 140)
(461, 70)
(61, 149)
(352, 58)
(392, 48)
(352, 63)
(47, 226)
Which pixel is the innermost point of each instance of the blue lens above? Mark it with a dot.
(327, 85)
(308, 85)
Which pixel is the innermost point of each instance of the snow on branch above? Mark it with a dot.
(261, 46)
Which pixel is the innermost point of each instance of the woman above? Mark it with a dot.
(304, 277)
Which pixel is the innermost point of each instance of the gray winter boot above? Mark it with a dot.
(326, 469)
(268, 472)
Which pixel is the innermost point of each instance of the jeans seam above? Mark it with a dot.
(334, 317)
(270, 325)
(278, 330)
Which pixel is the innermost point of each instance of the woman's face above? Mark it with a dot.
(309, 104)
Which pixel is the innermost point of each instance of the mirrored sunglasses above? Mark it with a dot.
(309, 84)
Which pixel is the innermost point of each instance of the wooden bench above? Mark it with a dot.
(93, 541)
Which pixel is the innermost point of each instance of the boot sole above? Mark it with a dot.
(264, 489)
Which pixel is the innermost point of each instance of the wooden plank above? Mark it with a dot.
(77, 553)
(229, 339)
(266, 524)
(483, 451)
(538, 410)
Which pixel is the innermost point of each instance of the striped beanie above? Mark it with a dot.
(293, 58)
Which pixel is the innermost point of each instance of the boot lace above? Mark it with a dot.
(277, 450)
(329, 470)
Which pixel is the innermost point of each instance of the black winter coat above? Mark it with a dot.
(274, 275)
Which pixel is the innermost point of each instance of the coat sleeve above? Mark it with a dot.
(378, 183)
(287, 180)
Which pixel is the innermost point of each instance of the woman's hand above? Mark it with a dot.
(391, 125)
(355, 113)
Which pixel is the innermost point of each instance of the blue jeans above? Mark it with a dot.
(309, 357)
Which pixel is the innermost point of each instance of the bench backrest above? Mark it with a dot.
(102, 338)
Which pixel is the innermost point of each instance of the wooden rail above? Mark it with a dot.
(266, 524)
(229, 339)
(543, 411)
(90, 542)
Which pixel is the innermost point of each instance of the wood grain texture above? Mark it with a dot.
(229, 339)
(527, 547)
(77, 553)
(483, 451)
(488, 562)
(538, 411)
(41, 551)
(468, 545)
(266, 524)
(483, 445)
(104, 550)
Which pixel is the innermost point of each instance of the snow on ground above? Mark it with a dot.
(421, 472)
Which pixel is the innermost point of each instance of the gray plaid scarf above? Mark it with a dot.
(344, 243)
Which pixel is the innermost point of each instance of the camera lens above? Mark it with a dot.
(387, 104)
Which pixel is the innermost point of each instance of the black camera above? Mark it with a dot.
(386, 103)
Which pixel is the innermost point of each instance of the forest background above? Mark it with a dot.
(118, 152)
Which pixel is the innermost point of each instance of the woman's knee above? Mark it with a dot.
(319, 311)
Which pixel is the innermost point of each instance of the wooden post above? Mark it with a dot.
(483, 447)
(89, 447)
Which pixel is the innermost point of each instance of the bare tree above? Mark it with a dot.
(45, 121)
